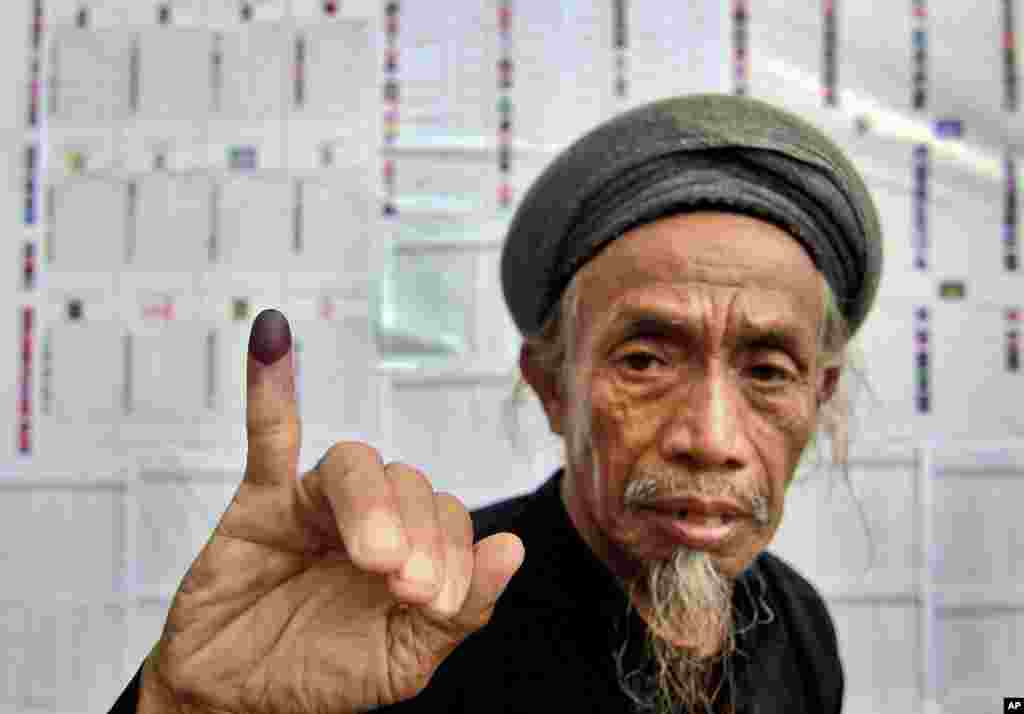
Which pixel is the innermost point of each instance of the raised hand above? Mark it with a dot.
(341, 591)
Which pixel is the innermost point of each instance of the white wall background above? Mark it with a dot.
(405, 341)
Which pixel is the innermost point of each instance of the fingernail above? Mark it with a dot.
(271, 337)
(419, 569)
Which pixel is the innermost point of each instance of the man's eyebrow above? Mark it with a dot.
(633, 322)
(643, 321)
(773, 335)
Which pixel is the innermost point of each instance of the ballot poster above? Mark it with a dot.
(201, 161)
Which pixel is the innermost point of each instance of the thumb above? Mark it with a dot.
(495, 560)
(272, 423)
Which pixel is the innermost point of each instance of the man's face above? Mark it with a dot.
(696, 371)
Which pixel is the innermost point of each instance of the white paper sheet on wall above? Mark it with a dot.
(959, 31)
(864, 66)
(448, 73)
(341, 72)
(473, 75)
(254, 71)
(174, 72)
(88, 372)
(255, 222)
(91, 76)
(421, 416)
(899, 278)
(168, 373)
(173, 222)
(560, 89)
(960, 536)
(972, 381)
(674, 49)
(334, 234)
(90, 225)
(337, 391)
(424, 78)
(767, 56)
(965, 225)
(83, 531)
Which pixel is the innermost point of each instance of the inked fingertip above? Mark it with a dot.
(271, 337)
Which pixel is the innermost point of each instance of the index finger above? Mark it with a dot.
(272, 424)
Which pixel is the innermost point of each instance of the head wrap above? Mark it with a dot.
(708, 151)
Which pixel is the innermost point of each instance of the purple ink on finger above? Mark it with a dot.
(271, 337)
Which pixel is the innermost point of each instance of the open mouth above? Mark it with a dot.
(704, 519)
(693, 528)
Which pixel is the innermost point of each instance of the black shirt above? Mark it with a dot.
(551, 643)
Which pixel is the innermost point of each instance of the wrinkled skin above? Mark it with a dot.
(719, 394)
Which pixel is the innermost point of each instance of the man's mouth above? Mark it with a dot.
(712, 519)
(694, 522)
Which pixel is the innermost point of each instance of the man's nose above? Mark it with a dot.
(706, 426)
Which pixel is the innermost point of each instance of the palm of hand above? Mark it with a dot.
(290, 630)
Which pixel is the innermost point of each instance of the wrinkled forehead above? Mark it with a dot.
(700, 266)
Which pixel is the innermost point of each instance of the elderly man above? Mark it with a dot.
(686, 277)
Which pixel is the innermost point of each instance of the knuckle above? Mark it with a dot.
(449, 505)
(348, 456)
(405, 475)
(456, 518)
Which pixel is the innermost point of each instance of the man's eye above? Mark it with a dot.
(640, 361)
(769, 373)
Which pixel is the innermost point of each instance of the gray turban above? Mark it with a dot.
(716, 152)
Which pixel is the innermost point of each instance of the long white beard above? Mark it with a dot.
(687, 605)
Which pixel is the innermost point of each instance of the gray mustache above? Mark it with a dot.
(647, 489)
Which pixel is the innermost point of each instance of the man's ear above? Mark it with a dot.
(828, 383)
(547, 388)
